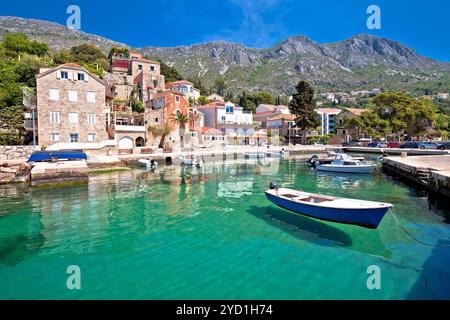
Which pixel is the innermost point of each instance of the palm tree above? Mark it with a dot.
(181, 119)
(160, 131)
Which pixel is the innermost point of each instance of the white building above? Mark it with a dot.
(185, 87)
(235, 123)
(327, 117)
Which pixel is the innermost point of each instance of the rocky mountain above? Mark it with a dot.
(58, 37)
(363, 61)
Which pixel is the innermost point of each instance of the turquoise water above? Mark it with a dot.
(209, 233)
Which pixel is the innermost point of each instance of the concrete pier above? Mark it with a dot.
(60, 171)
(431, 172)
(396, 151)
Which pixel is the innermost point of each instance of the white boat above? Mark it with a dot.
(345, 164)
(148, 164)
(254, 155)
(196, 161)
(342, 210)
(278, 154)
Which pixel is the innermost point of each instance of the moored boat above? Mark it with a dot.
(278, 154)
(345, 164)
(148, 164)
(362, 213)
(254, 155)
(57, 155)
(192, 161)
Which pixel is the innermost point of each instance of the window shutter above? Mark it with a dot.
(85, 77)
(70, 75)
(58, 74)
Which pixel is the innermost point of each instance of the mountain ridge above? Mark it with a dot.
(360, 61)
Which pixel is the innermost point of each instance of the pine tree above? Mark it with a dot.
(302, 106)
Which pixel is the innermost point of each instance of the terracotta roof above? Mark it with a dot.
(357, 111)
(266, 113)
(211, 130)
(166, 93)
(212, 105)
(72, 65)
(289, 117)
(329, 110)
(179, 82)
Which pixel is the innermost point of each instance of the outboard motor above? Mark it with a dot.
(273, 185)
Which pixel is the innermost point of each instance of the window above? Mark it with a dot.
(90, 97)
(54, 94)
(54, 117)
(230, 109)
(223, 118)
(177, 98)
(156, 120)
(91, 118)
(81, 77)
(73, 117)
(152, 68)
(91, 137)
(73, 137)
(73, 96)
(140, 66)
(54, 136)
(64, 75)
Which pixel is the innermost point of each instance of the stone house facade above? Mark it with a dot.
(71, 106)
(160, 111)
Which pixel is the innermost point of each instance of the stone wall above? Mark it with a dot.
(16, 152)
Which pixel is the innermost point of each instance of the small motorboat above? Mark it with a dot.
(362, 213)
(148, 164)
(345, 164)
(254, 155)
(283, 154)
(196, 161)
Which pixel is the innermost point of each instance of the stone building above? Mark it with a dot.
(71, 106)
(130, 70)
(160, 112)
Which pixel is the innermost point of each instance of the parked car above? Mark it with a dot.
(444, 146)
(377, 144)
(428, 145)
(393, 145)
(351, 144)
(410, 145)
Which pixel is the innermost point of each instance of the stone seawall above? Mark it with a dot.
(16, 152)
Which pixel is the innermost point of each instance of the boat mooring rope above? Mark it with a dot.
(412, 236)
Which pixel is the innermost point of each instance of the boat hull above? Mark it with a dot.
(345, 169)
(368, 218)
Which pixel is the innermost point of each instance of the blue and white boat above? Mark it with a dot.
(362, 213)
(345, 164)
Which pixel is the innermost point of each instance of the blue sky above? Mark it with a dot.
(422, 25)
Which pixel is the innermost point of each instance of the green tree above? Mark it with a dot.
(170, 73)
(302, 106)
(203, 100)
(162, 131)
(220, 86)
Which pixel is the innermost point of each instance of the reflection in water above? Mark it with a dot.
(211, 226)
(305, 228)
(315, 231)
(329, 180)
